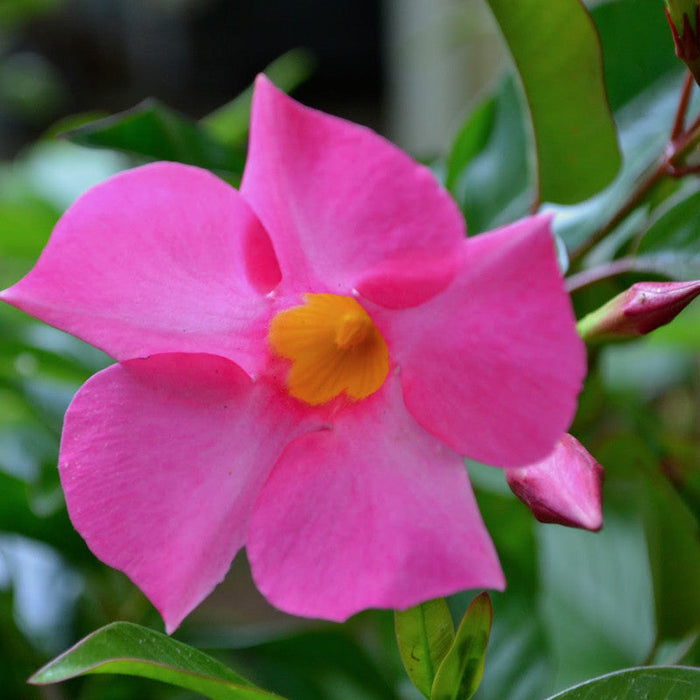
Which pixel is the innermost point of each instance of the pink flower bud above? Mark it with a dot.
(642, 308)
(684, 18)
(563, 488)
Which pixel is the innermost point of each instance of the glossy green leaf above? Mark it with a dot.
(154, 131)
(650, 683)
(129, 649)
(557, 54)
(229, 123)
(461, 670)
(424, 634)
(637, 46)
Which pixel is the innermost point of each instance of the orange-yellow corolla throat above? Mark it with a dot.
(353, 329)
(334, 348)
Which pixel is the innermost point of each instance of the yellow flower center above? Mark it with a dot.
(334, 347)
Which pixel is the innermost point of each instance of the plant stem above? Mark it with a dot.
(595, 274)
(680, 141)
(656, 173)
(679, 122)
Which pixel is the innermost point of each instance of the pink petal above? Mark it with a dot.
(161, 461)
(154, 260)
(563, 488)
(373, 513)
(336, 198)
(401, 284)
(493, 365)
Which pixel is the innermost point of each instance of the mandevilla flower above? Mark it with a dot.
(301, 367)
(564, 488)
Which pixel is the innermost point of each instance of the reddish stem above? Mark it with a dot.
(679, 122)
(681, 139)
(588, 277)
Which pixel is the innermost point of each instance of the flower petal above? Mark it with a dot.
(161, 461)
(564, 488)
(336, 198)
(493, 365)
(155, 260)
(373, 513)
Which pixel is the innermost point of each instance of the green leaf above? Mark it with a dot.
(520, 657)
(643, 128)
(424, 634)
(596, 595)
(12, 11)
(637, 53)
(651, 683)
(330, 662)
(492, 187)
(462, 668)
(673, 538)
(671, 246)
(558, 56)
(229, 123)
(470, 141)
(129, 649)
(153, 130)
(25, 227)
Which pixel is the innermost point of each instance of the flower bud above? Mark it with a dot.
(684, 18)
(564, 488)
(641, 309)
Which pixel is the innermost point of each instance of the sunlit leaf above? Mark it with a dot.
(424, 634)
(129, 649)
(462, 668)
(651, 683)
(557, 54)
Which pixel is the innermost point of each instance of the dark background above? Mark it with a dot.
(106, 55)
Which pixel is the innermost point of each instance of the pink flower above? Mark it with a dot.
(564, 488)
(301, 366)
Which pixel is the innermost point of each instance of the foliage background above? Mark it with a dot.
(578, 605)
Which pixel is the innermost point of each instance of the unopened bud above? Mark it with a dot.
(644, 307)
(564, 488)
(684, 18)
